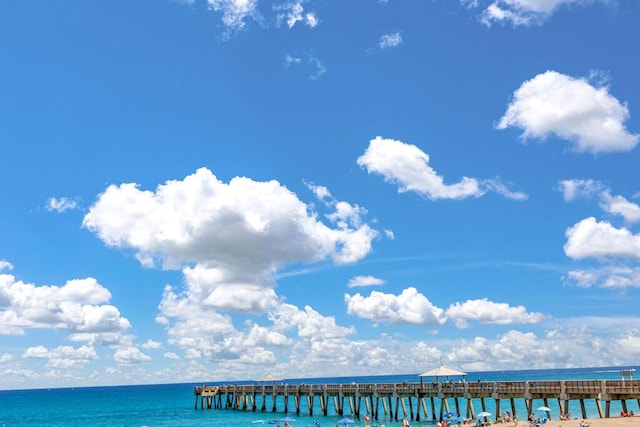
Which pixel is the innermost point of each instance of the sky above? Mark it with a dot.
(213, 190)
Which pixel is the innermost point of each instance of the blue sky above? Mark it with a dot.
(213, 190)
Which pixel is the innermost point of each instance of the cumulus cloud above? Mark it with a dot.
(390, 40)
(150, 344)
(615, 248)
(408, 166)
(410, 307)
(599, 239)
(573, 109)
(130, 356)
(485, 311)
(522, 12)
(242, 226)
(361, 281)
(230, 240)
(62, 356)
(77, 307)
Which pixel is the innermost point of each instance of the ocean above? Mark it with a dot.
(173, 404)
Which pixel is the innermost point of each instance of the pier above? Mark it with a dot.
(416, 401)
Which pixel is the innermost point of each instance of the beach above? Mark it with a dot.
(592, 422)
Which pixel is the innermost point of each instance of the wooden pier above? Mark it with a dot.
(414, 401)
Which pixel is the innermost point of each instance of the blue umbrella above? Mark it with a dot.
(286, 420)
(449, 415)
(346, 420)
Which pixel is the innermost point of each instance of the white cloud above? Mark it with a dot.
(485, 311)
(523, 12)
(618, 205)
(234, 12)
(294, 13)
(130, 356)
(610, 276)
(243, 226)
(62, 357)
(410, 307)
(592, 239)
(5, 265)
(61, 204)
(77, 307)
(309, 62)
(573, 189)
(171, 355)
(150, 344)
(308, 322)
(587, 116)
(615, 205)
(390, 40)
(288, 60)
(361, 281)
(408, 166)
(6, 357)
(237, 236)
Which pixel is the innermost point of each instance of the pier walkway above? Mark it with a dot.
(418, 400)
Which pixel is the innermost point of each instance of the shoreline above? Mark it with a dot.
(575, 422)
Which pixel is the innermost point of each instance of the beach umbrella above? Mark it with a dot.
(484, 414)
(544, 408)
(259, 422)
(286, 420)
(449, 415)
(346, 420)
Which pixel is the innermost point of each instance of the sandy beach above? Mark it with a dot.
(593, 422)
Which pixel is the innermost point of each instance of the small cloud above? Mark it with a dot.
(294, 13)
(601, 240)
(150, 344)
(573, 189)
(485, 311)
(410, 307)
(171, 355)
(288, 60)
(313, 64)
(362, 281)
(390, 40)
(234, 12)
(61, 204)
(408, 166)
(5, 265)
(130, 356)
(573, 109)
(520, 12)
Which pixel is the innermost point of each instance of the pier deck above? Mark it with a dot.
(412, 400)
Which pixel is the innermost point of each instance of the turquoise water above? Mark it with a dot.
(173, 404)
